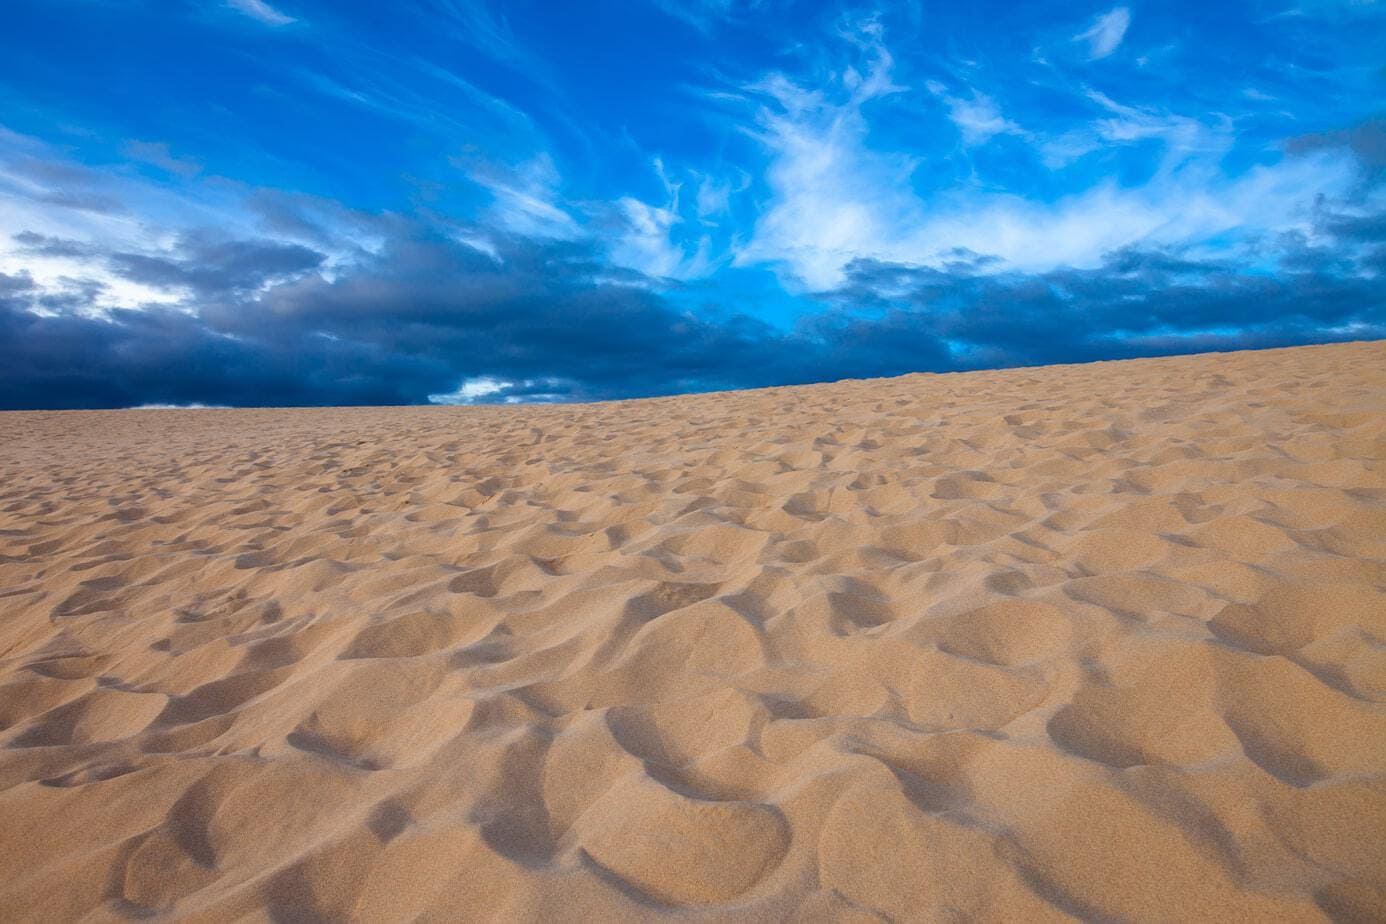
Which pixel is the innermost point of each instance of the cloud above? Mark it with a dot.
(487, 389)
(644, 242)
(1331, 10)
(157, 154)
(484, 26)
(1366, 140)
(835, 196)
(636, 235)
(472, 390)
(431, 319)
(155, 241)
(705, 15)
(541, 318)
(714, 195)
(1106, 34)
(836, 201)
(1138, 302)
(977, 116)
(27, 174)
(656, 240)
(1116, 125)
(207, 264)
(1369, 227)
(20, 283)
(525, 197)
(35, 244)
(262, 11)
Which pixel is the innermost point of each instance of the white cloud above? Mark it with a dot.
(472, 390)
(713, 198)
(1191, 208)
(977, 116)
(647, 235)
(835, 199)
(259, 9)
(1061, 150)
(44, 191)
(1184, 138)
(1106, 33)
(526, 199)
(638, 235)
(488, 389)
(645, 243)
(485, 27)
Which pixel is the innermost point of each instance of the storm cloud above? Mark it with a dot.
(261, 323)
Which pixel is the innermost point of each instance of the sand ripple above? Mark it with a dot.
(1097, 642)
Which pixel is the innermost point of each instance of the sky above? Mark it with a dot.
(322, 202)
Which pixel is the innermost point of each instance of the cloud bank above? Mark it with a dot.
(431, 318)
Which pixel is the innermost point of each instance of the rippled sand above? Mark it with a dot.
(1102, 641)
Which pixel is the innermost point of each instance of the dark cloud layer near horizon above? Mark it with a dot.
(262, 325)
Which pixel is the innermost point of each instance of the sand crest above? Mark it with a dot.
(1084, 642)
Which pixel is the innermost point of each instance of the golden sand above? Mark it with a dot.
(1102, 641)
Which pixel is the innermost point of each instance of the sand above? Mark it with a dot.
(1088, 642)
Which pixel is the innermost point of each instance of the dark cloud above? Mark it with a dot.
(1364, 228)
(1375, 261)
(20, 283)
(1133, 260)
(209, 265)
(1367, 140)
(550, 320)
(1297, 254)
(1135, 304)
(416, 320)
(31, 242)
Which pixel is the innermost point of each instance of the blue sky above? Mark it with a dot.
(264, 202)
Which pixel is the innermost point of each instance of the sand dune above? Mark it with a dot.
(1085, 642)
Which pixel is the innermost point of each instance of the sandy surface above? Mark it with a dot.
(1101, 641)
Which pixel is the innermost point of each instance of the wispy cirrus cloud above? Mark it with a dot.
(705, 15)
(1106, 33)
(976, 115)
(261, 11)
(836, 197)
(156, 153)
(526, 198)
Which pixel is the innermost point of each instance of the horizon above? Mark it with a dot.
(296, 203)
(713, 393)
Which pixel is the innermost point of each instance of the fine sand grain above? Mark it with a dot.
(1098, 642)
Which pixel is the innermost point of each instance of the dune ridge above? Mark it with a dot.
(1098, 642)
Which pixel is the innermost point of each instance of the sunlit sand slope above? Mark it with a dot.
(1102, 641)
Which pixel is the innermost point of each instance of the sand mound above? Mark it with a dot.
(1096, 642)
